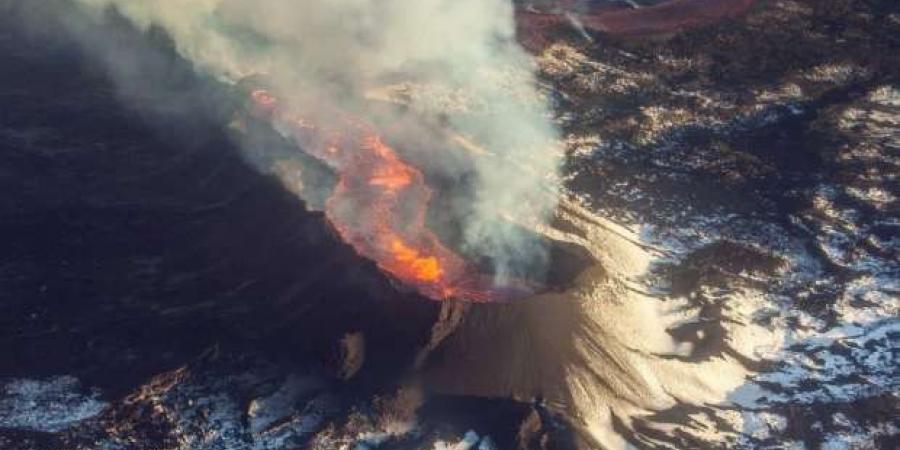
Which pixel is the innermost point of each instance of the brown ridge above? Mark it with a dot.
(665, 18)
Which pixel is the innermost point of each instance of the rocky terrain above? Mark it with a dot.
(729, 233)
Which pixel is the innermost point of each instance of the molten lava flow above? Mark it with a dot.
(379, 202)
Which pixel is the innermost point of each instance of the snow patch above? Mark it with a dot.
(48, 405)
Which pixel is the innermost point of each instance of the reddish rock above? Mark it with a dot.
(665, 18)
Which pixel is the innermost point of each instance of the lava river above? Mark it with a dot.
(379, 202)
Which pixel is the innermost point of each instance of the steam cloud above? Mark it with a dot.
(454, 64)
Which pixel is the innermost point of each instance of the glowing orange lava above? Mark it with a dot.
(379, 202)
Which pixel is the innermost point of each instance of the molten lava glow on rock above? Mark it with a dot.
(394, 175)
(422, 268)
(379, 202)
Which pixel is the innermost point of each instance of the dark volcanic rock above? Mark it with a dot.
(137, 239)
(157, 292)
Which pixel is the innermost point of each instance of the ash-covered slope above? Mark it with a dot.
(761, 157)
(758, 180)
(734, 187)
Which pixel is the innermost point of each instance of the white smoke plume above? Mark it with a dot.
(449, 62)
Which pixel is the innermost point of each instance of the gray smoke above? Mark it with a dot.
(449, 62)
